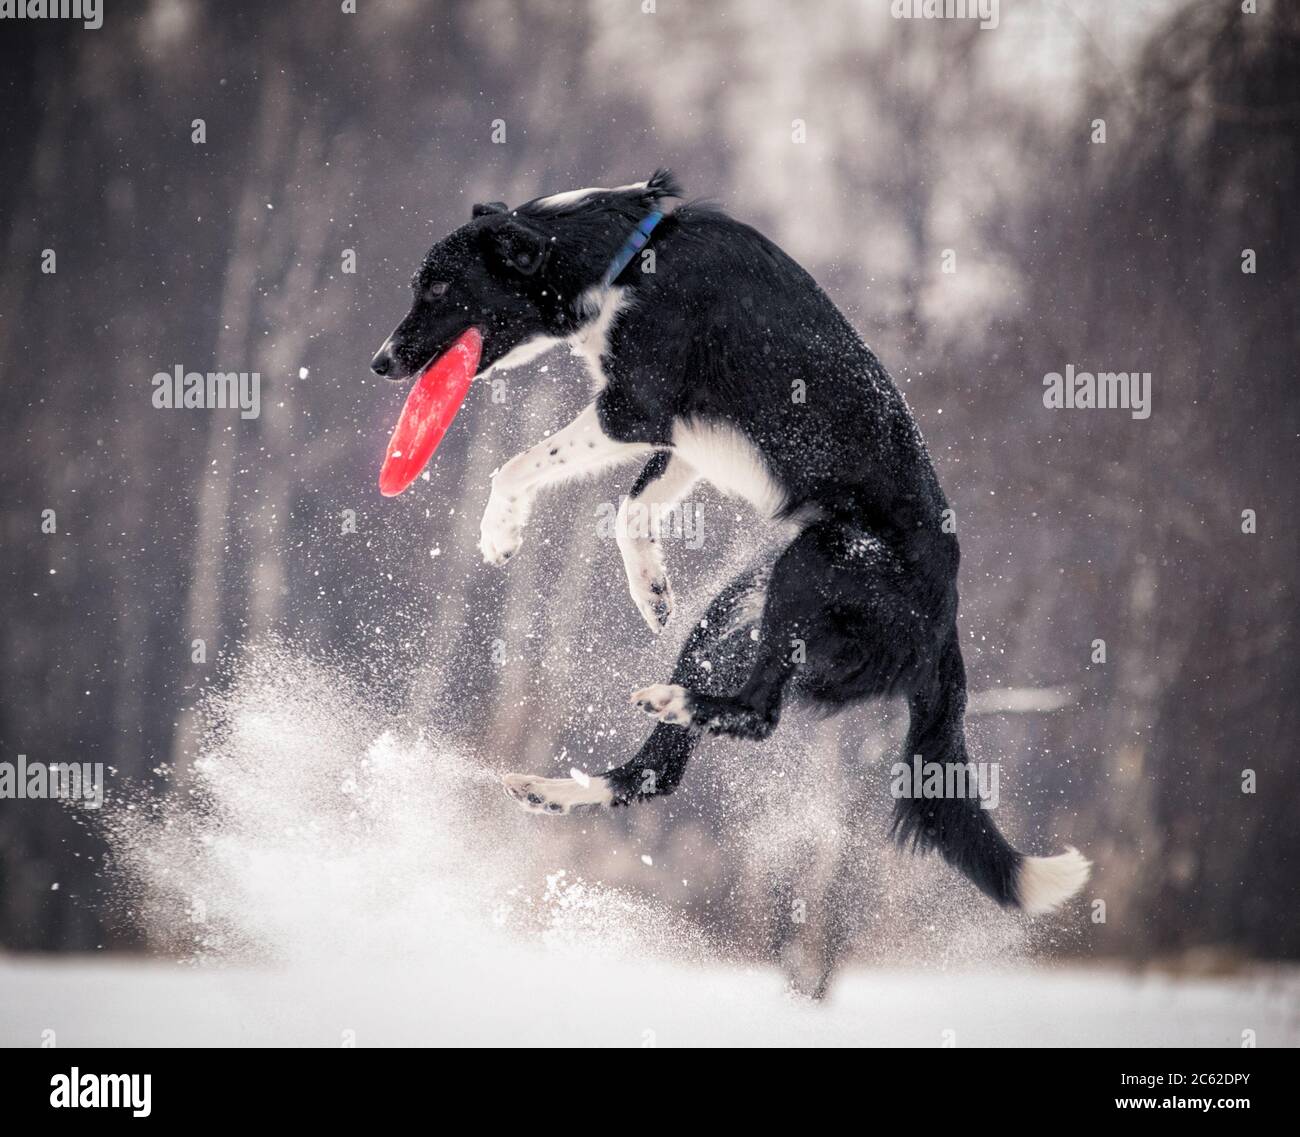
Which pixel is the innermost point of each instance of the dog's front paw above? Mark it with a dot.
(556, 795)
(501, 531)
(654, 598)
(665, 701)
(647, 579)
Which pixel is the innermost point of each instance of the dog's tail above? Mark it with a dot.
(958, 826)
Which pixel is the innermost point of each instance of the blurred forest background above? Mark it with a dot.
(924, 142)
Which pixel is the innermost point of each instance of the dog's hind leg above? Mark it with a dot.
(718, 654)
(661, 485)
(803, 584)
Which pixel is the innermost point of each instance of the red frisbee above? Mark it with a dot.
(433, 402)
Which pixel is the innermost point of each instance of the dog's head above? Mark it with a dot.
(514, 274)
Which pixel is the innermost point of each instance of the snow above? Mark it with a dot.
(536, 998)
(325, 875)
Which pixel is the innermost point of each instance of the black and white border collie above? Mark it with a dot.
(727, 362)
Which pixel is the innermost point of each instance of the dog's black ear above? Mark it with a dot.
(483, 208)
(519, 247)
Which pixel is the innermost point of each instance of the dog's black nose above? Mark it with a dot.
(382, 364)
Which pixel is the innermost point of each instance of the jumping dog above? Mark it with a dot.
(729, 363)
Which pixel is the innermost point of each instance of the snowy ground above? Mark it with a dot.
(532, 1000)
(328, 876)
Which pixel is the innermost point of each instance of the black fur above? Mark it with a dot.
(514, 274)
(724, 329)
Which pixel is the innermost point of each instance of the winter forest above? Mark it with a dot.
(301, 690)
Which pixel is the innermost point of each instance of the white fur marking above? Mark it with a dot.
(1045, 882)
(643, 559)
(574, 451)
(572, 197)
(524, 352)
(723, 455)
(591, 341)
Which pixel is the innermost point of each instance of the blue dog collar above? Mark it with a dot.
(633, 245)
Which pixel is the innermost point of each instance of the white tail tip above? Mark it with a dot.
(1045, 882)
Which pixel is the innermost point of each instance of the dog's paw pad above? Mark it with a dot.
(555, 795)
(530, 793)
(665, 701)
(501, 531)
(654, 600)
(647, 581)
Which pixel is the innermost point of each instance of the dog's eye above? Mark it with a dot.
(437, 288)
